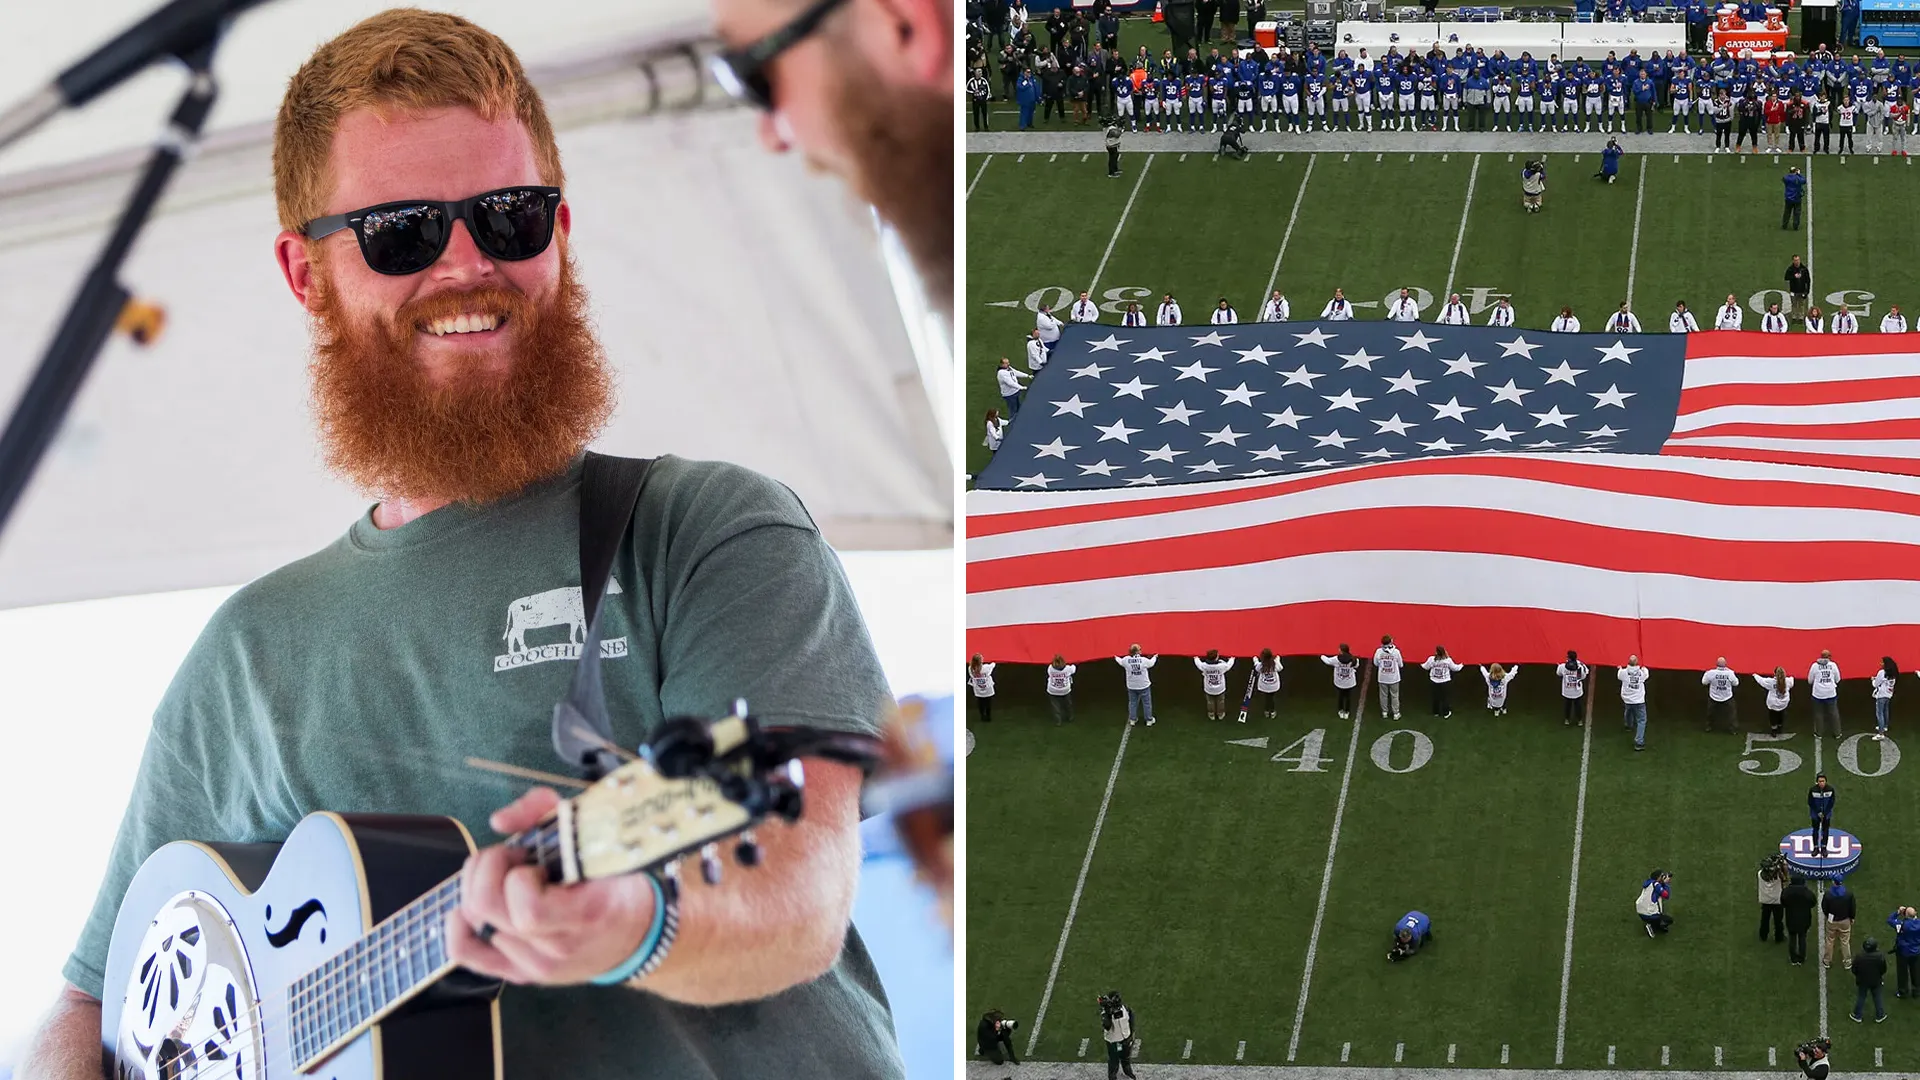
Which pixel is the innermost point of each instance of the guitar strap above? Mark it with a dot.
(609, 492)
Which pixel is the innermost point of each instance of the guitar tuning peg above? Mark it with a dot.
(786, 801)
(747, 851)
(740, 707)
(710, 864)
(670, 879)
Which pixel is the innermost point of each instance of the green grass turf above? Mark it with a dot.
(1201, 896)
(1040, 225)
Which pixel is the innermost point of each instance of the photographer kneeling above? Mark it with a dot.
(1230, 143)
(995, 1036)
(1412, 931)
(1116, 1027)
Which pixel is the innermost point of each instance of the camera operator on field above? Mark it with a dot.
(995, 1036)
(1230, 143)
(1813, 1059)
(1116, 1027)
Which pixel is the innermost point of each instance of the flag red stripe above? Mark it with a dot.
(1566, 472)
(1476, 635)
(1897, 466)
(1864, 429)
(1466, 530)
(1717, 343)
(1787, 395)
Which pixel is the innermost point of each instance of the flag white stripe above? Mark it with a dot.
(1853, 412)
(983, 503)
(1887, 448)
(1605, 509)
(1449, 579)
(1797, 370)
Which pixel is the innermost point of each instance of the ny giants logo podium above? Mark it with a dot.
(1842, 856)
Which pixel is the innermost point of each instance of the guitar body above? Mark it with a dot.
(209, 936)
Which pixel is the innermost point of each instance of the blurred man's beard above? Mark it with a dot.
(903, 142)
(480, 436)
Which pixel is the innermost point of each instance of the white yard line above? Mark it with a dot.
(1326, 877)
(1288, 235)
(1108, 254)
(1817, 928)
(1807, 210)
(1073, 907)
(1461, 237)
(1573, 879)
(1633, 253)
(978, 173)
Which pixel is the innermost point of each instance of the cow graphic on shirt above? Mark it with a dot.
(554, 607)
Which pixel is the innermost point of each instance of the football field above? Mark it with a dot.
(1045, 225)
(1237, 883)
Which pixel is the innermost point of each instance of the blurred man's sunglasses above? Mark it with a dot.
(407, 237)
(742, 72)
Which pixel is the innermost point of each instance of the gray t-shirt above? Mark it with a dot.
(359, 678)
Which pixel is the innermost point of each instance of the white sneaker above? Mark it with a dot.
(1149, 721)
(1243, 719)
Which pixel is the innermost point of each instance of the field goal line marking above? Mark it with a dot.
(1633, 252)
(1326, 875)
(1461, 237)
(1073, 906)
(1573, 877)
(1288, 235)
(1102, 268)
(978, 173)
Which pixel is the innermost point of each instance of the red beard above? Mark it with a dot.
(394, 434)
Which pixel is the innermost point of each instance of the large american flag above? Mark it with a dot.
(1509, 494)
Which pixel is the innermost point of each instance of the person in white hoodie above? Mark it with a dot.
(1139, 684)
(1573, 687)
(1011, 388)
(1730, 316)
(1168, 313)
(1823, 680)
(1037, 352)
(1276, 308)
(1893, 322)
(1779, 688)
(1346, 677)
(1223, 314)
(1844, 322)
(1049, 326)
(980, 679)
(1338, 309)
(1720, 682)
(1404, 308)
(1440, 668)
(1883, 681)
(1682, 320)
(1566, 322)
(1623, 321)
(1498, 680)
(1084, 310)
(1501, 314)
(1453, 312)
(1633, 700)
(1213, 682)
(1266, 680)
(1060, 689)
(1386, 667)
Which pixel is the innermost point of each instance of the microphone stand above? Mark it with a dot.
(90, 318)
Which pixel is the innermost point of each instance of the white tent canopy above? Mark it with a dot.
(745, 303)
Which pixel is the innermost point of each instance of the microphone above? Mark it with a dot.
(174, 30)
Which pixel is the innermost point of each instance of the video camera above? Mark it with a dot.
(1111, 1007)
(1813, 1057)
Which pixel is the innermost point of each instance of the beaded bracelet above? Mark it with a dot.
(653, 947)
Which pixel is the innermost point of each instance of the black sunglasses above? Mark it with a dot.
(742, 72)
(406, 237)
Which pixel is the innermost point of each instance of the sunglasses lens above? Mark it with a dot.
(403, 240)
(513, 224)
(741, 79)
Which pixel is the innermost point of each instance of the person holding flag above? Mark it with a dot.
(980, 680)
(1169, 312)
(1010, 387)
(1681, 321)
(1573, 686)
(1346, 677)
(1404, 307)
(1779, 688)
(1883, 681)
(1730, 316)
(1813, 322)
(1048, 326)
(1774, 321)
(1502, 313)
(1386, 666)
(1139, 684)
(1276, 309)
(1338, 309)
(1566, 322)
(1893, 322)
(1720, 682)
(1498, 679)
(1060, 689)
(1453, 313)
(1633, 700)
(1133, 316)
(1824, 680)
(1623, 321)
(1213, 682)
(1844, 322)
(1037, 353)
(1084, 310)
(1440, 668)
(1223, 314)
(1266, 680)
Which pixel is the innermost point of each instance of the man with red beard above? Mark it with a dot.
(456, 380)
(864, 89)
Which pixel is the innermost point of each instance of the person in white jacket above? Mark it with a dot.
(1773, 322)
(1266, 680)
(1573, 686)
(1623, 321)
(1844, 322)
(980, 680)
(1823, 682)
(1060, 689)
(1815, 323)
(1453, 312)
(1498, 680)
(1139, 684)
(1386, 666)
(1168, 314)
(1893, 322)
(1883, 681)
(1338, 309)
(1223, 314)
(1779, 688)
(1404, 308)
(1213, 682)
(1276, 309)
(1037, 355)
(1566, 322)
(1730, 316)
(1346, 677)
(1502, 313)
(996, 430)
(1682, 320)
(1720, 682)
(1772, 876)
(1633, 700)
(1048, 326)
(1010, 385)
(1133, 316)
(1440, 668)
(1084, 310)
